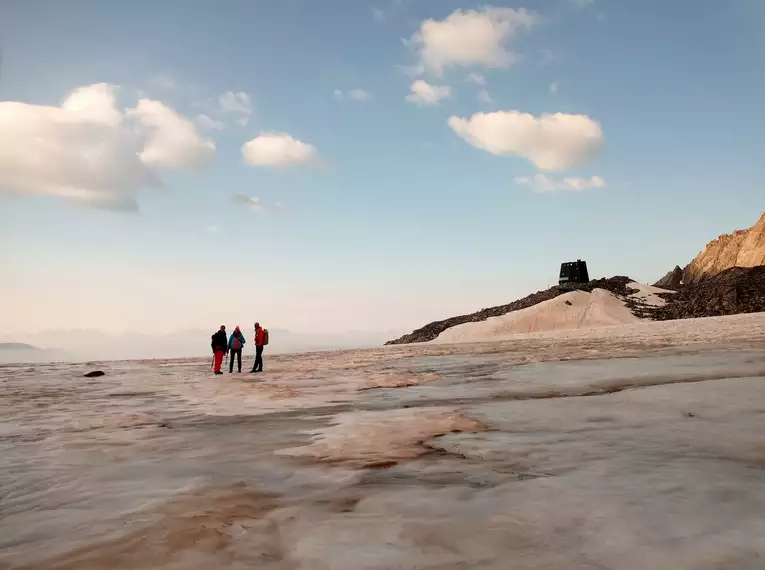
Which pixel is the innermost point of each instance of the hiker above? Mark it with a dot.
(219, 346)
(261, 339)
(235, 345)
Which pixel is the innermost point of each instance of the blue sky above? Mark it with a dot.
(394, 219)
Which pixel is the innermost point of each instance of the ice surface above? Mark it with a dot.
(635, 447)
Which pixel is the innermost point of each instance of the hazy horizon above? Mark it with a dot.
(78, 345)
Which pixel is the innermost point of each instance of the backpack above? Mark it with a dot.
(265, 337)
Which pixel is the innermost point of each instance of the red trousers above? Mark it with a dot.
(218, 360)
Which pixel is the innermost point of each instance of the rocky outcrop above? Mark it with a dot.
(742, 248)
(671, 280)
(616, 285)
(730, 292)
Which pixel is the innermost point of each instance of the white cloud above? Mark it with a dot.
(423, 93)
(548, 185)
(552, 142)
(89, 150)
(476, 78)
(378, 14)
(208, 122)
(470, 37)
(485, 97)
(278, 150)
(95, 103)
(352, 95)
(554, 88)
(236, 103)
(172, 141)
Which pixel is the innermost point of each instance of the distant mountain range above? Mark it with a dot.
(21, 352)
(86, 344)
(17, 346)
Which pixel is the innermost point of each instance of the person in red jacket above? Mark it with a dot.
(259, 337)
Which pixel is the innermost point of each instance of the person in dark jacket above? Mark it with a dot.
(235, 345)
(219, 346)
(259, 338)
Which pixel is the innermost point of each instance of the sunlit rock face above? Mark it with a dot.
(742, 248)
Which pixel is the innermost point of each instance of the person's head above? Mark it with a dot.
(257, 325)
(223, 328)
(237, 331)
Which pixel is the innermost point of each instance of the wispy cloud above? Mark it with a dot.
(255, 204)
(207, 122)
(545, 184)
(352, 95)
(163, 81)
(236, 103)
(476, 78)
(412, 70)
(485, 97)
(554, 87)
(251, 202)
(423, 93)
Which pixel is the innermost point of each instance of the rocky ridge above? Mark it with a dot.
(616, 285)
(730, 292)
(672, 280)
(742, 248)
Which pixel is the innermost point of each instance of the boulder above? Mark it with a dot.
(95, 374)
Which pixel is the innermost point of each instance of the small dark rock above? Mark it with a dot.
(95, 374)
(569, 303)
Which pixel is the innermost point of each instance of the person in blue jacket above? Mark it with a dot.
(235, 345)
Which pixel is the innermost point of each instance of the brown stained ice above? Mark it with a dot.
(637, 447)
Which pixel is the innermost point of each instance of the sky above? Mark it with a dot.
(337, 165)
